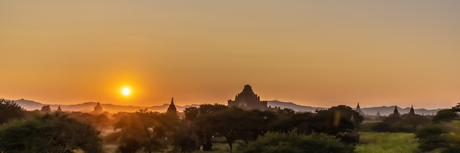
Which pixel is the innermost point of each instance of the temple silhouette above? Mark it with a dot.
(248, 100)
(172, 109)
(358, 109)
(98, 108)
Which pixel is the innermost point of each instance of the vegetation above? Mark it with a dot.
(217, 128)
(146, 131)
(445, 115)
(49, 133)
(10, 110)
(46, 109)
(443, 132)
(387, 142)
(297, 143)
(440, 136)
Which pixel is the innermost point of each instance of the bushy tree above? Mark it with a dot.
(46, 109)
(232, 123)
(293, 142)
(262, 121)
(335, 120)
(10, 110)
(183, 139)
(49, 133)
(191, 113)
(145, 130)
(445, 115)
(203, 132)
(443, 136)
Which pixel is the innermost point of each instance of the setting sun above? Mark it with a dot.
(126, 91)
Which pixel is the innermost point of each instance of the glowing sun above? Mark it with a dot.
(126, 91)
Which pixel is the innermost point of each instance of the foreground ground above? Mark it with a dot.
(388, 142)
(370, 143)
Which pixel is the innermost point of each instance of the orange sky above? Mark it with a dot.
(312, 53)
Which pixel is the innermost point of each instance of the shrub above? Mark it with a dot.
(444, 136)
(387, 127)
(445, 115)
(382, 127)
(10, 110)
(49, 133)
(297, 143)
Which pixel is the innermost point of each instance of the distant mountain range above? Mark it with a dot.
(293, 106)
(89, 106)
(384, 110)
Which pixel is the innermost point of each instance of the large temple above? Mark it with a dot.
(247, 99)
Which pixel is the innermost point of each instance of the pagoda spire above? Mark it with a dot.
(412, 112)
(396, 112)
(358, 109)
(172, 108)
(59, 109)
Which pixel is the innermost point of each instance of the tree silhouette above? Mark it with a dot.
(146, 130)
(50, 133)
(231, 123)
(46, 109)
(10, 110)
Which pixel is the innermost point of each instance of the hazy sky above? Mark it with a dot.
(317, 53)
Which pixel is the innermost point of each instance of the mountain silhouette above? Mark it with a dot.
(89, 106)
(293, 106)
(384, 110)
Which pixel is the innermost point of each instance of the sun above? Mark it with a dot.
(126, 91)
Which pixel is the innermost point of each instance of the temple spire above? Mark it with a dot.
(412, 112)
(172, 108)
(396, 112)
(358, 109)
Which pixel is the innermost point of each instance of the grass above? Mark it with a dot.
(372, 142)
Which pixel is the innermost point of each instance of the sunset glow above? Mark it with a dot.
(315, 53)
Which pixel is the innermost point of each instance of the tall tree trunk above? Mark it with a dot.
(208, 141)
(231, 147)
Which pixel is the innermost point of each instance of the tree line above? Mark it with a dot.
(330, 130)
(35, 131)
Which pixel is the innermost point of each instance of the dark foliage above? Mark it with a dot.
(445, 115)
(293, 142)
(10, 110)
(46, 109)
(434, 136)
(387, 127)
(145, 130)
(49, 133)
